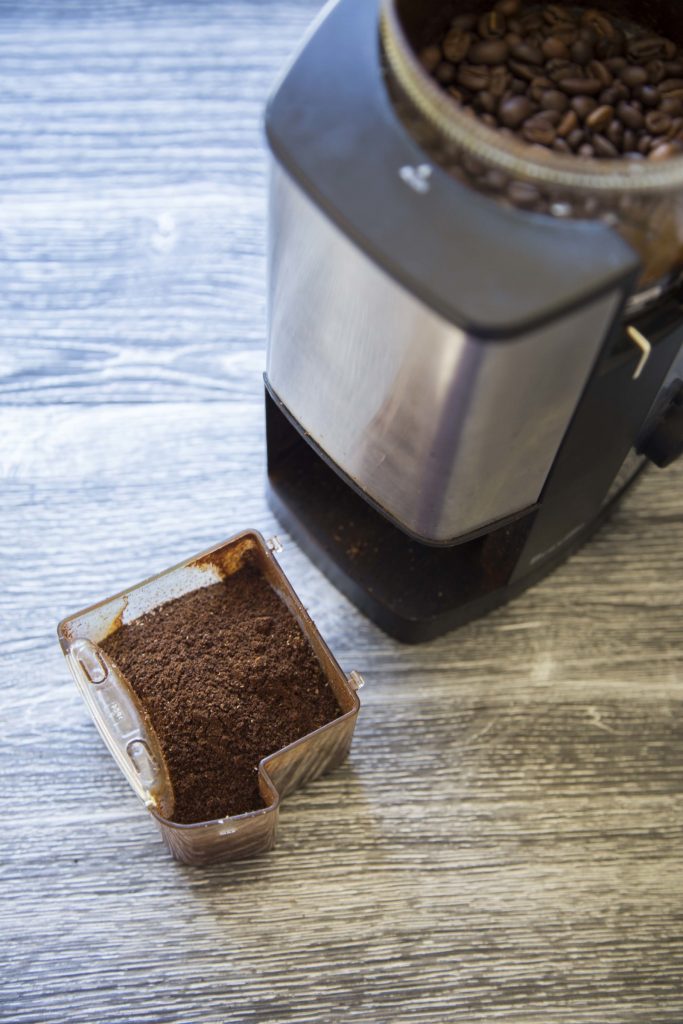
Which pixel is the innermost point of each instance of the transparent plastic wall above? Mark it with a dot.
(130, 736)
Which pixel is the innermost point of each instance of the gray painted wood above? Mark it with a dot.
(504, 843)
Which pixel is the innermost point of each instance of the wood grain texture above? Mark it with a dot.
(504, 843)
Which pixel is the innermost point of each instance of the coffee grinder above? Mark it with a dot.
(459, 388)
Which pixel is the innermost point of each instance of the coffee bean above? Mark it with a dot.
(576, 137)
(445, 73)
(492, 25)
(518, 86)
(508, 8)
(568, 124)
(580, 86)
(464, 22)
(671, 86)
(530, 22)
(491, 51)
(674, 69)
(472, 77)
(599, 22)
(560, 146)
(489, 119)
(586, 150)
(596, 69)
(629, 140)
(603, 147)
(644, 144)
(430, 57)
(457, 94)
(671, 105)
(584, 106)
(556, 15)
(553, 99)
(644, 48)
(457, 44)
(656, 71)
(674, 131)
(526, 71)
(512, 39)
(648, 95)
(498, 81)
(554, 47)
(615, 133)
(487, 102)
(610, 96)
(665, 151)
(515, 111)
(600, 118)
(539, 131)
(582, 52)
(632, 76)
(616, 64)
(527, 54)
(631, 117)
(657, 122)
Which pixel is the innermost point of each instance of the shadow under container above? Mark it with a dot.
(130, 736)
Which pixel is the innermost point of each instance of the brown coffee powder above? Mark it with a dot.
(226, 677)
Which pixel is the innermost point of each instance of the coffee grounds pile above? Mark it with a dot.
(572, 79)
(226, 677)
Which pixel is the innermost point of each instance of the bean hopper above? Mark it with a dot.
(460, 382)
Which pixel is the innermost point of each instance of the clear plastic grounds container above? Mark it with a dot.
(130, 737)
(642, 200)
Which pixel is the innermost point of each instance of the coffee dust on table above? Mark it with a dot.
(227, 677)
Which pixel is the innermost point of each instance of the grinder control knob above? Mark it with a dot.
(664, 442)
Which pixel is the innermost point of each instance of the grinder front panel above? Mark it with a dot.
(445, 432)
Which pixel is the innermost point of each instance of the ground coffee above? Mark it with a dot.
(572, 79)
(227, 677)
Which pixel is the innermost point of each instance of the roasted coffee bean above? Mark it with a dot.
(599, 118)
(499, 80)
(527, 54)
(568, 124)
(582, 52)
(445, 73)
(629, 141)
(491, 51)
(457, 44)
(430, 58)
(610, 96)
(525, 71)
(657, 122)
(553, 99)
(631, 117)
(580, 86)
(473, 77)
(599, 22)
(514, 111)
(596, 69)
(603, 147)
(464, 22)
(576, 137)
(508, 8)
(492, 25)
(539, 130)
(554, 47)
(633, 76)
(561, 146)
(656, 71)
(664, 151)
(584, 106)
(648, 95)
(671, 87)
(615, 133)
(563, 77)
(671, 105)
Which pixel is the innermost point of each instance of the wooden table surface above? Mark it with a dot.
(504, 843)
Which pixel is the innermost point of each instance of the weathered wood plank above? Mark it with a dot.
(504, 842)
